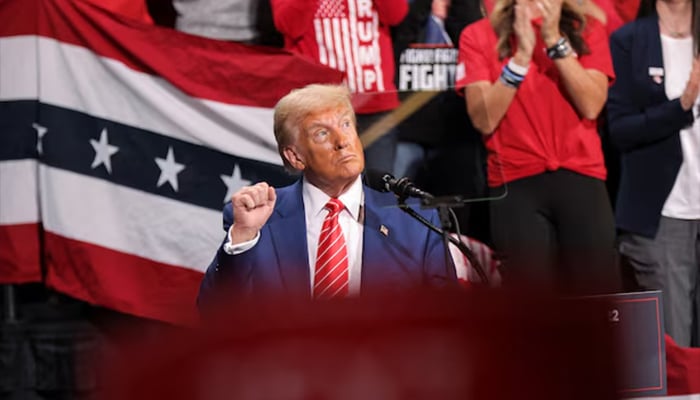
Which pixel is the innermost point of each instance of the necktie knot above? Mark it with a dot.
(335, 206)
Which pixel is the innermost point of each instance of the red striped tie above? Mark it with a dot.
(331, 274)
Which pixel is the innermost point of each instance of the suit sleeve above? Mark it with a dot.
(224, 273)
(631, 123)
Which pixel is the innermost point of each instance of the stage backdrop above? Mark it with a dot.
(119, 144)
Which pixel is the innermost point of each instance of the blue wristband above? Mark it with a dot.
(510, 78)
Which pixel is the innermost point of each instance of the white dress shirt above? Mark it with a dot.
(350, 220)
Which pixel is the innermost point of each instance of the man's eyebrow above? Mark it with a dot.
(317, 124)
(321, 124)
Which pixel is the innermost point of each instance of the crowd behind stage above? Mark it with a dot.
(578, 116)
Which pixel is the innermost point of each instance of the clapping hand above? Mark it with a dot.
(692, 86)
(551, 14)
(524, 33)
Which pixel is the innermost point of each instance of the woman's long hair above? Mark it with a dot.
(571, 25)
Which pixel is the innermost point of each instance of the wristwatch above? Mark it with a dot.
(560, 49)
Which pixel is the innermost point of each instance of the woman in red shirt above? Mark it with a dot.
(535, 77)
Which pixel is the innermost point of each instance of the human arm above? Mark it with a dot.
(487, 102)
(243, 218)
(210, 287)
(587, 88)
(632, 121)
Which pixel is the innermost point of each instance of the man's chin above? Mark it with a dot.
(354, 169)
(352, 165)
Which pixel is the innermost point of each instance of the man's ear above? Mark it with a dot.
(294, 158)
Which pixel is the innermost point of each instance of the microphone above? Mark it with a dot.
(402, 187)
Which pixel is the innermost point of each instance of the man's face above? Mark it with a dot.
(328, 150)
(440, 8)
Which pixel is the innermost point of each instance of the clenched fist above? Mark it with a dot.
(252, 206)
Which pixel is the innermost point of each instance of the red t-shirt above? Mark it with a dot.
(614, 19)
(541, 130)
(352, 36)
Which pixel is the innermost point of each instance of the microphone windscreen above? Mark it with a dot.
(376, 179)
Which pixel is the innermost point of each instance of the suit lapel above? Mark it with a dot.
(288, 233)
(654, 56)
(379, 262)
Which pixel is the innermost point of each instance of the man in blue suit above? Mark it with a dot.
(273, 236)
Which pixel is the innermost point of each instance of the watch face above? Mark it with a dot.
(560, 49)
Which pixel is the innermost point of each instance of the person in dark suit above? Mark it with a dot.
(653, 125)
(273, 243)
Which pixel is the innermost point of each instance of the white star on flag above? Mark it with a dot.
(233, 182)
(40, 132)
(103, 151)
(169, 169)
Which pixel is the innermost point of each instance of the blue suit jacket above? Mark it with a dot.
(644, 125)
(408, 256)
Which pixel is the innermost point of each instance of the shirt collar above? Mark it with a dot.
(315, 199)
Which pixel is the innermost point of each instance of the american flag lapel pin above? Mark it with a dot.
(384, 230)
(657, 74)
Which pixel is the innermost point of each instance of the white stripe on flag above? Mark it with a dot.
(344, 30)
(18, 194)
(328, 40)
(18, 69)
(337, 44)
(128, 220)
(354, 41)
(377, 53)
(76, 78)
(322, 56)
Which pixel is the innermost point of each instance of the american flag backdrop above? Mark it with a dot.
(120, 143)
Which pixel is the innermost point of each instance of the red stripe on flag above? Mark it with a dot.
(122, 282)
(19, 253)
(204, 68)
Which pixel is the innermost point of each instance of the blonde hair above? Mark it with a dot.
(571, 24)
(298, 104)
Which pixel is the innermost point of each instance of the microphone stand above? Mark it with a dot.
(443, 204)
